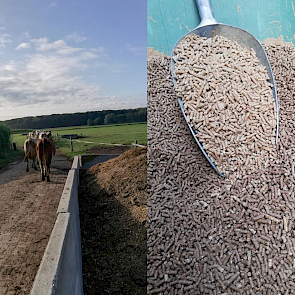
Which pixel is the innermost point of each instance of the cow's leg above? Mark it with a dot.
(47, 172)
(27, 165)
(34, 162)
(44, 172)
(41, 169)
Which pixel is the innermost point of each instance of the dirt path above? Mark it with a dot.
(13, 171)
(27, 215)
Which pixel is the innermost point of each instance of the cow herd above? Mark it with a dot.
(39, 144)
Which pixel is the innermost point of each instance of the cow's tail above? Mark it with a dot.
(41, 150)
(43, 143)
(27, 152)
(26, 157)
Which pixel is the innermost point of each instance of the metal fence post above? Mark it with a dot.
(71, 143)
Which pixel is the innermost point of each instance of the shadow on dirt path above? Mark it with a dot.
(13, 170)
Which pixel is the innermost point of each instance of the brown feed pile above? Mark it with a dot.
(113, 213)
(205, 235)
(125, 177)
(228, 101)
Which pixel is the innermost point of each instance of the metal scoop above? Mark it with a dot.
(209, 28)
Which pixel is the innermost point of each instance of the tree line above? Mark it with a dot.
(78, 119)
(5, 143)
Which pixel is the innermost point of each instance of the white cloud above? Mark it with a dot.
(25, 35)
(42, 44)
(136, 50)
(79, 103)
(114, 68)
(4, 39)
(88, 55)
(45, 81)
(47, 78)
(68, 50)
(58, 47)
(76, 37)
(49, 81)
(53, 4)
(23, 46)
(101, 52)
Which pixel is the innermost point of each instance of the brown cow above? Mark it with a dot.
(43, 134)
(45, 150)
(30, 152)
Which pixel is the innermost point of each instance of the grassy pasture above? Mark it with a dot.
(110, 134)
(7, 155)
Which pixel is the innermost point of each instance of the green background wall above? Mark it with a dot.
(168, 20)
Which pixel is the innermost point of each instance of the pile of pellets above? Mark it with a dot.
(205, 234)
(228, 101)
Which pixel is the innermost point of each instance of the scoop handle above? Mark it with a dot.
(205, 12)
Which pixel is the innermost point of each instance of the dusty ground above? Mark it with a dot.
(112, 200)
(27, 215)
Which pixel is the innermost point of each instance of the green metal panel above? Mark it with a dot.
(169, 20)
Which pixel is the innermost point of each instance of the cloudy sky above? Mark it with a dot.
(71, 56)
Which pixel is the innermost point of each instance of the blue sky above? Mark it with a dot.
(68, 56)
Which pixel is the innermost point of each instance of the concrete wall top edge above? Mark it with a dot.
(76, 163)
(45, 280)
(67, 192)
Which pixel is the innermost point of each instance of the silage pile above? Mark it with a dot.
(112, 203)
(205, 235)
(124, 177)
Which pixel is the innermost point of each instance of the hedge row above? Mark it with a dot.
(5, 143)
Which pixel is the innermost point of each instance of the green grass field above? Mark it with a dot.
(120, 134)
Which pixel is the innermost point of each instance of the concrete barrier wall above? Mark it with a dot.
(60, 271)
(76, 164)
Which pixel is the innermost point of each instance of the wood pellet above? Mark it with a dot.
(228, 101)
(207, 234)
